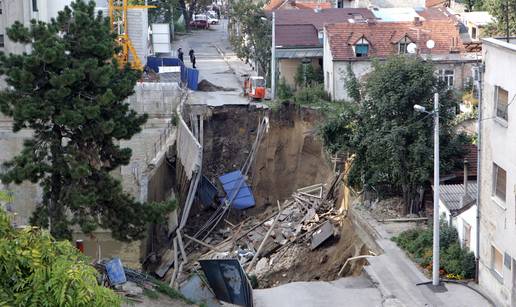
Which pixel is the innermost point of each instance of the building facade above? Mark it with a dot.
(497, 269)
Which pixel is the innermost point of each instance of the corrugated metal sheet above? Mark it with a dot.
(451, 194)
(244, 198)
(138, 31)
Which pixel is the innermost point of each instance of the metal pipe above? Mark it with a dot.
(435, 262)
(273, 58)
(479, 152)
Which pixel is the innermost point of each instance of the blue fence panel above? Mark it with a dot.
(193, 78)
(115, 271)
(189, 76)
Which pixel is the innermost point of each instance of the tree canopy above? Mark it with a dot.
(71, 93)
(504, 12)
(36, 270)
(391, 144)
(251, 37)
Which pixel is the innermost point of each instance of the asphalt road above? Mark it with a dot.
(216, 63)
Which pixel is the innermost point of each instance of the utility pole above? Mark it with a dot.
(435, 263)
(273, 57)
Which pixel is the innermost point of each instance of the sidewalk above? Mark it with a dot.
(397, 276)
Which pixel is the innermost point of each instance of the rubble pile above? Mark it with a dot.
(301, 224)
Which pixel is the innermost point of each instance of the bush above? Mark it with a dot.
(456, 262)
(311, 95)
(36, 270)
(284, 90)
(307, 74)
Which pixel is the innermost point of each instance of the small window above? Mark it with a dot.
(2, 43)
(403, 44)
(0, 7)
(362, 48)
(320, 36)
(499, 182)
(497, 261)
(446, 76)
(502, 100)
(474, 33)
(34, 5)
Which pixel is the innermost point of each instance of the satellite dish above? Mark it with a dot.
(430, 44)
(411, 48)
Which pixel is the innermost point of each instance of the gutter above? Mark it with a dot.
(479, 152)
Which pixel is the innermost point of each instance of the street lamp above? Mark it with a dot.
(435, 256)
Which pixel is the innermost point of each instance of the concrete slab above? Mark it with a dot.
(350, 291)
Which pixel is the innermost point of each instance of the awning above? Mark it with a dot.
(299, 53)
(230, 182)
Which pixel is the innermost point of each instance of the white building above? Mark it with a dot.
(460, 211)
(497, 269)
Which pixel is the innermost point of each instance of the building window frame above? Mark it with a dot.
(447, 76)
(35, 5)
(360, 46)
(497, 268)
(2, 40)
(501, 104)
(498, 193)
(403, 44)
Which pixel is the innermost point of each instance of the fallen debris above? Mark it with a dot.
(207, 86)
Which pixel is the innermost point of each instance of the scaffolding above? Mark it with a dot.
(118, 15)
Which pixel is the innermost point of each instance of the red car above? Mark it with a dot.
(199, 21)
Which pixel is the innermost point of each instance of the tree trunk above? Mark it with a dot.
(186, 16)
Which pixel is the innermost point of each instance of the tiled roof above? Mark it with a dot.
(319, 19)
(278, 4)
(296, 36)
(383, 37)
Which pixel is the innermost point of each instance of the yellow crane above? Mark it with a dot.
(118, 15)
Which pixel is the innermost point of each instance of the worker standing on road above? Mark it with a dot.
(192, 57)
(193, 61)
(180, 54)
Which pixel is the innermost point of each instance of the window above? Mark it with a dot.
(402, 45)
(361, 48)
(474, 33)
(499, 182)
(446, 76)
(0, 7)
(466, 235)
(497, 261)
(502, 100)
(34, 5)
(320, 36)
(2, 43)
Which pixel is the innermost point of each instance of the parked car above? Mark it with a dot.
(212, 19)
(199, 21)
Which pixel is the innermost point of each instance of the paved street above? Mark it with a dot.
(216, 63)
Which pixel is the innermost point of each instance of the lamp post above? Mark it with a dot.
(435, 255)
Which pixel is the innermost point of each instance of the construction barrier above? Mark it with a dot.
(189, 76)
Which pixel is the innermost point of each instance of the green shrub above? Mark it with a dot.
(311, 95)
(456, 262)
(284, 90)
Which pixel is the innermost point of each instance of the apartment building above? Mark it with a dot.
(497, 269)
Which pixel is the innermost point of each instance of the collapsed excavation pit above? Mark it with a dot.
(289, 157)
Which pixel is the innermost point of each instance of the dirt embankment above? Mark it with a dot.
(290, 157)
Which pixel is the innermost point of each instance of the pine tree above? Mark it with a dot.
(70, 92)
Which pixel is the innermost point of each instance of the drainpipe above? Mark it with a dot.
(273, 57)
(466, 163)
(479, 152)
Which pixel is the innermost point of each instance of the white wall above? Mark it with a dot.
(470, 217)
(340, 68)
(327, 65)
(498, 221)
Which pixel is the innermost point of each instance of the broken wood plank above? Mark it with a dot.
(202, 243)
(404, 219)
(255, 257)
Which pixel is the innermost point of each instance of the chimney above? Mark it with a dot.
(417, 21)
(466, 199)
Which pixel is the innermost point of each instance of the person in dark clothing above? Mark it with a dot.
(193, 61)
(180, 54)
(191, 54)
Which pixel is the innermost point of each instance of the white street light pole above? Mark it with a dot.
(435, 255)
(435, 264)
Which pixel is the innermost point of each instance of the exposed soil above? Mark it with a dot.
(207, 86)
(299, 263)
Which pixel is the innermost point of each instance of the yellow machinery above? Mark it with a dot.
(118, 16)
